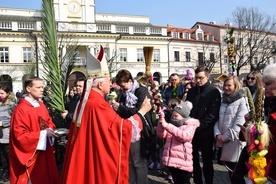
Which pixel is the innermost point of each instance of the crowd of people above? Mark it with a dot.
(125, 136)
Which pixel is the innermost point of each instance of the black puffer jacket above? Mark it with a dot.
(206, 102)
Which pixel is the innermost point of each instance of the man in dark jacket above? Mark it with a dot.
(175, 90)
(206, 101)
(68, 114)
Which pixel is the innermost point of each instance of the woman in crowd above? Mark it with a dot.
(187, 86)
(232, 110)
(269, 79)
(130, 98)
(7, 103)
(254, 83)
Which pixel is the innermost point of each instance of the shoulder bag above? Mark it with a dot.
(231, 150)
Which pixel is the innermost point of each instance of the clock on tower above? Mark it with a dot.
(74, 7)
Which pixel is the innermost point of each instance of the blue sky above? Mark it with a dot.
(180, 13)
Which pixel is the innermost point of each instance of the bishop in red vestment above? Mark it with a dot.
(98, 146)
(29, 121)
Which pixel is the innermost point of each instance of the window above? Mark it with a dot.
(186, 35)
(273, 44)
(239, 43)
(255, 60)
(27, 55)
(156, 55)
(211, 38)
(176, 56)
(106, 52)
(200, 58)
(212, 57)
(199, 36)
(140, 55)
(4, 54)
(188, 56)
(123, 54)
(175, 34)
(225, 58)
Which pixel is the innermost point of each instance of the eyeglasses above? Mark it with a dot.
(200, 78)
(250, 78)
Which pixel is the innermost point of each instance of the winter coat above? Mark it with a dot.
(270, 111)
(178, 149)
(167, 94)
(231, 115)
(206, 102)
(6, 109)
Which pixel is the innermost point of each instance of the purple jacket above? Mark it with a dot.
(178, 148)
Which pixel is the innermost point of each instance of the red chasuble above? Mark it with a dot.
(97, 150)
(25, 161)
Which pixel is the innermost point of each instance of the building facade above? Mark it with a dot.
(122, 37)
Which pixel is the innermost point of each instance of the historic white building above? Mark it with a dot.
(122, 37)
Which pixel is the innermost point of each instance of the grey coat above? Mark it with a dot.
(230, 116)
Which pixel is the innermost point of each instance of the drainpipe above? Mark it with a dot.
(116, 40)
(169, 57)
(220, 60)
(36, 57)
(36, 53)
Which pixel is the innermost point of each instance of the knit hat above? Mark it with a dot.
(184, 108)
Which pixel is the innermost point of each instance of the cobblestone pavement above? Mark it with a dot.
(220, 176)
(157, 177)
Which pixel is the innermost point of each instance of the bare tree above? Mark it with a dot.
(67, 47)
(111, 59)
(66, 56)
(207, 55)
(255, 37)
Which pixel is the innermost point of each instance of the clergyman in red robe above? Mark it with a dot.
(32, 157)
(99, 139)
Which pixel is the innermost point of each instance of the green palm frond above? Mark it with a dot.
(66, 64)
(50, 51)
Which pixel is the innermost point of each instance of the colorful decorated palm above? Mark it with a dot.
(257, 137)
(154, 89)
(230, 40)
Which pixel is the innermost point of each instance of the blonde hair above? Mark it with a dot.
(236, 81)
(258, 77)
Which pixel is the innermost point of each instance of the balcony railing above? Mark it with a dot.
(83, 27)
(5, 25)
(26, 25)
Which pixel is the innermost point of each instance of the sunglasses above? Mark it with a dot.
(250, 78)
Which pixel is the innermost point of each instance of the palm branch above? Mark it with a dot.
(50, 51)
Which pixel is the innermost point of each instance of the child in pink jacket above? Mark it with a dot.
(177, 154)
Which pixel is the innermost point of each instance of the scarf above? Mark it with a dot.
(252, 89)
(131, 99)
(178, 123)
(233, 97)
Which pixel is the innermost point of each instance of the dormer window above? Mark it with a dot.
(175, 34)
(211, 38)
(199, 36)
(186, 36)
